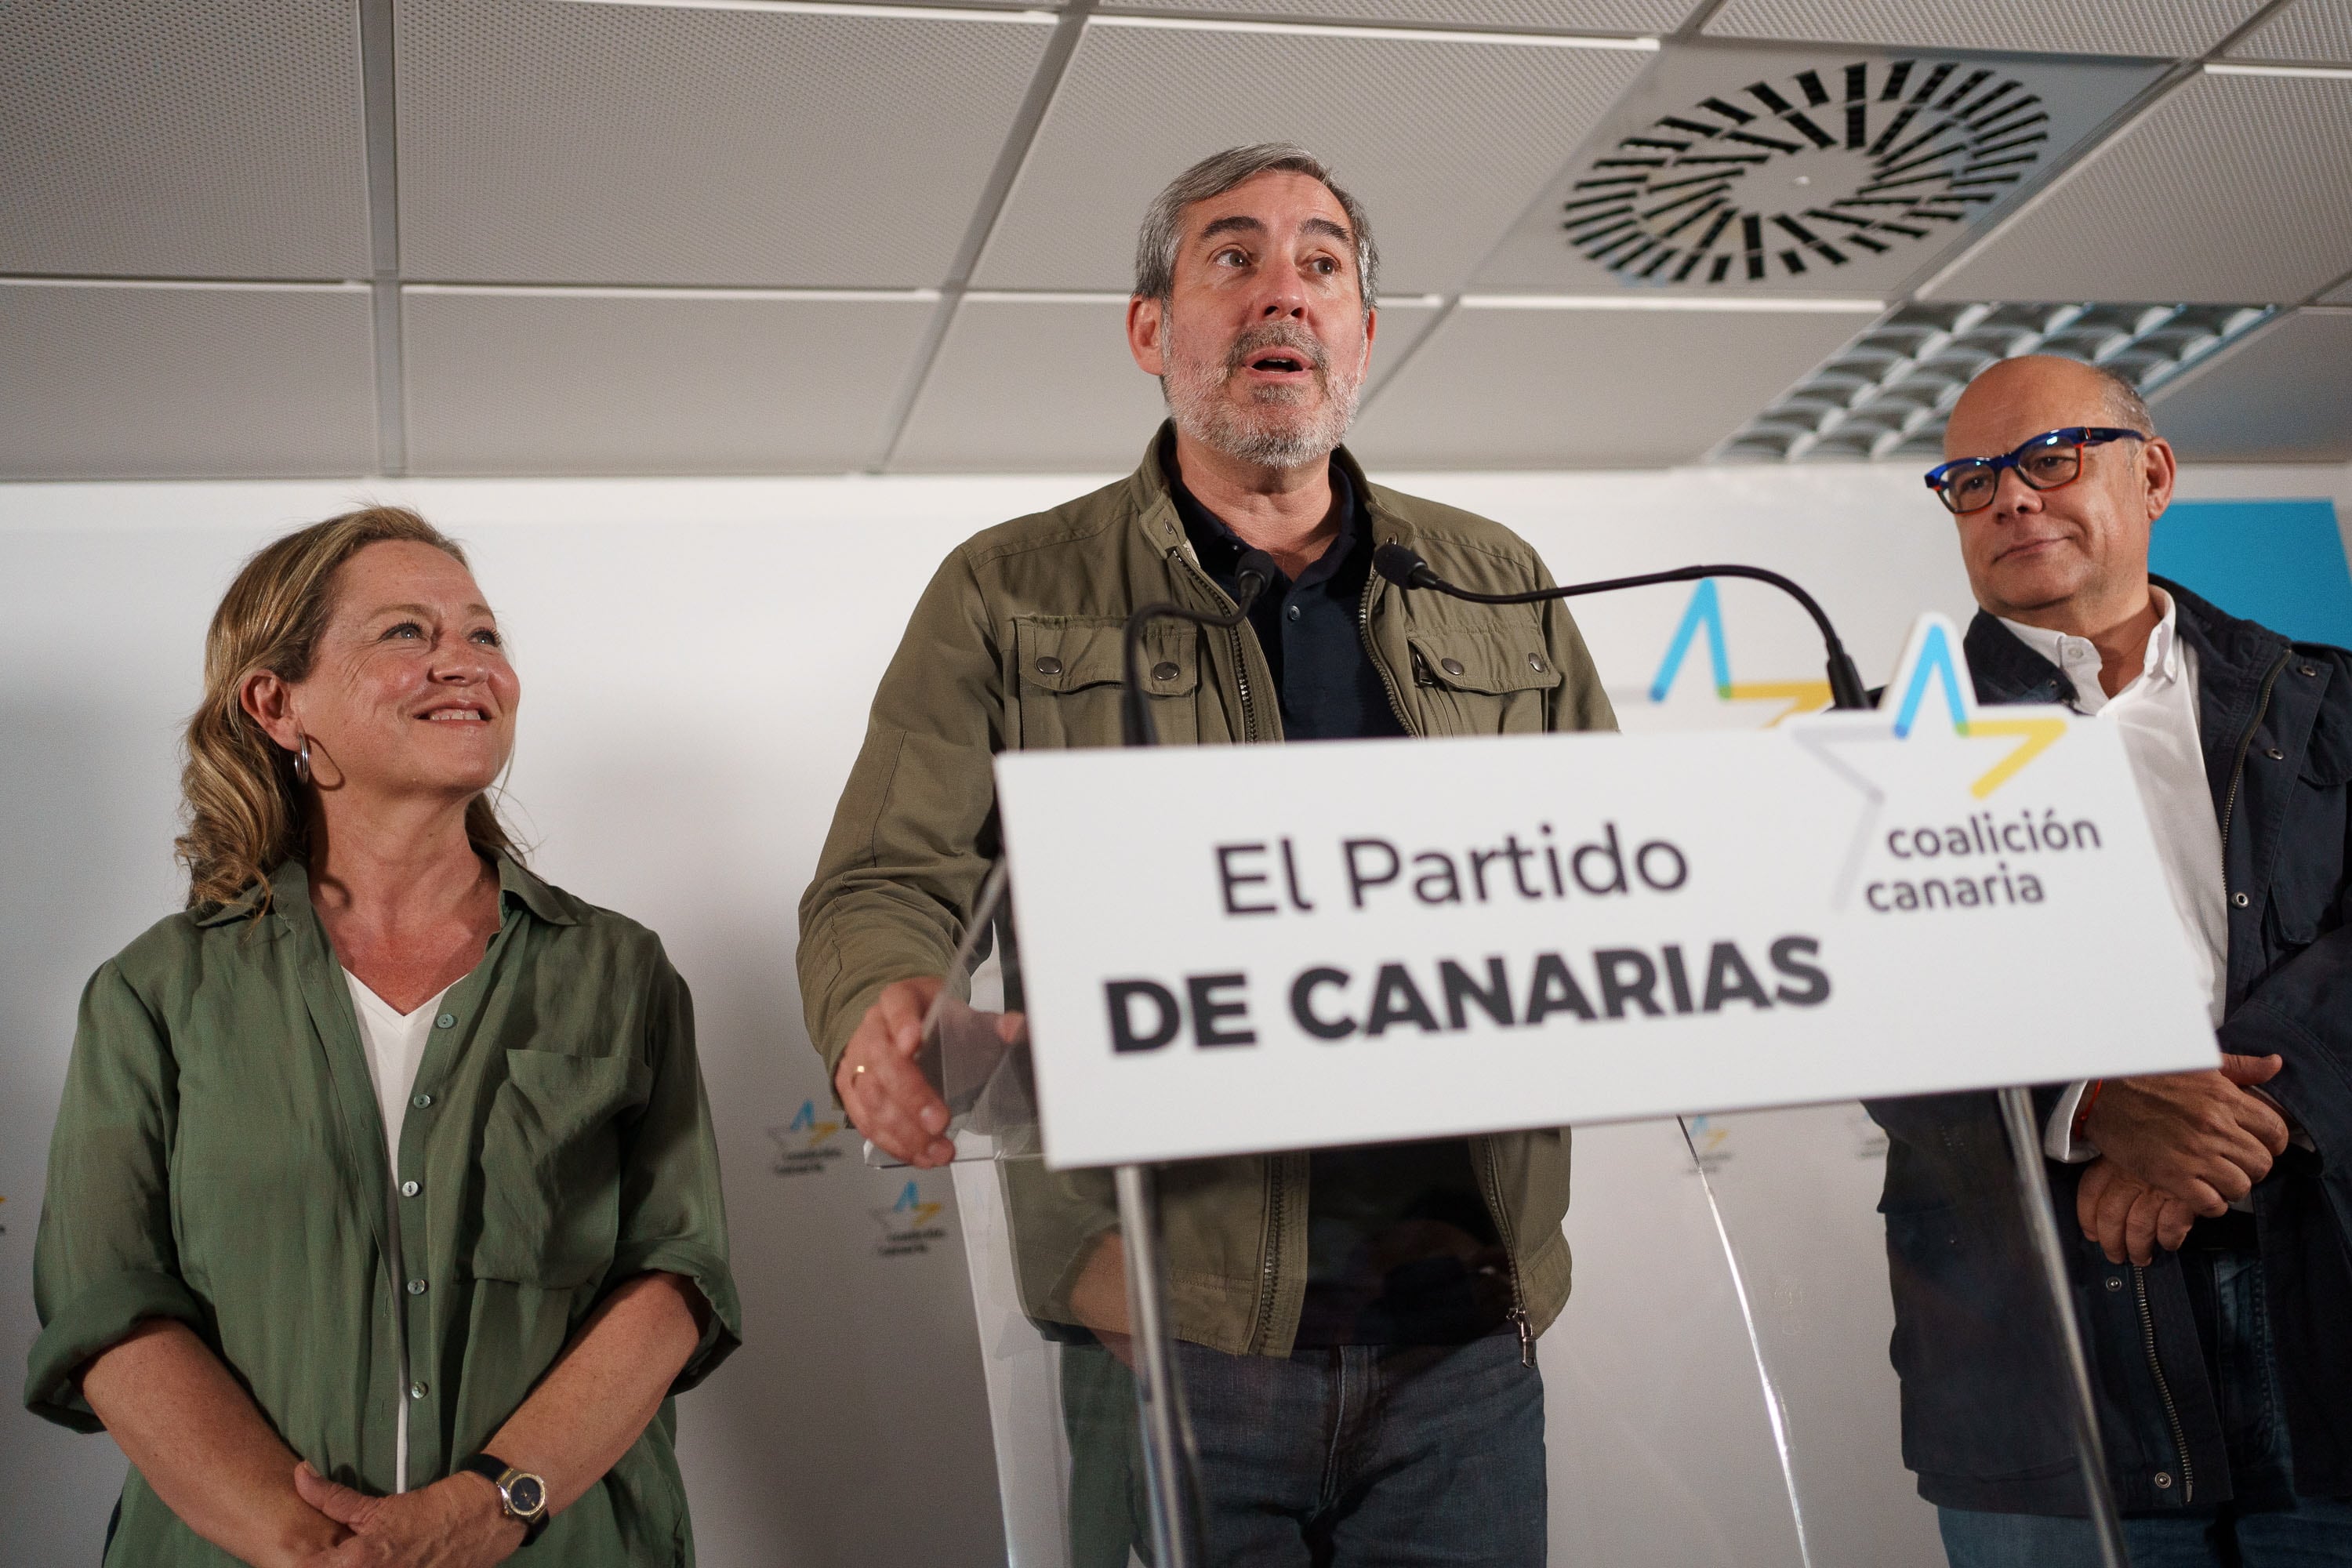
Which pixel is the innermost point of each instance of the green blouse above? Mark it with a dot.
(219, 1159)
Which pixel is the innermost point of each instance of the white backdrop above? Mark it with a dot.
(697, 658)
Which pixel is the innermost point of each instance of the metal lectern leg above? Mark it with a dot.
(2042, 1226)
(1155, 1370)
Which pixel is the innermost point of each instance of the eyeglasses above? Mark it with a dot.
(2044, 463)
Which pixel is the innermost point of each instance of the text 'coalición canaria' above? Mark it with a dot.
(1985, 836)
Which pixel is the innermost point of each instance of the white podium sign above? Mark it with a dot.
(1237, 949)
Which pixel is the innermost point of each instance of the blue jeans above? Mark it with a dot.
(2300, 1533)
(1358, 1457)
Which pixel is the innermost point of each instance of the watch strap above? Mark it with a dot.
(495, 1470)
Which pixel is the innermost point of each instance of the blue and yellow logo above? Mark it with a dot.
(1702, 616)
(1930, 664)
(804, 1144)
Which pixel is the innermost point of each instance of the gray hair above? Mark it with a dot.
(1163, 233)
(2125, 406)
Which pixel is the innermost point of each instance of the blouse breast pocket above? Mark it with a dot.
(552, 1167)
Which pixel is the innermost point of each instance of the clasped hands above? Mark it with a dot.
(453, 1523)
(2173, 1147)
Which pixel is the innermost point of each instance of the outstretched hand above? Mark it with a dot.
(2198, 1136)
(453, 1523)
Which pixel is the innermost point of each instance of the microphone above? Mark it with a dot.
(1407, 570)
(1251, 574)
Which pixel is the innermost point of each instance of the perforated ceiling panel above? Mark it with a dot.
(614, 383)
(542, 140)
(1444, 138)
(1588, 388)
(2314, 31)
(184, 381)
(1735, 170)
(1627, 16)
(2234, 188)
(2285, 396)
(2152, 27)
(214, 141)
(1041, 383)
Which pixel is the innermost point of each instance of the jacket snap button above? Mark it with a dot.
(1048, 665)
(2238, 898)
(2309, 669)
(2163, 1478)
(1450, 665)
(1535, 662)
(2113, 1283)
(2277, 755)
(1163, 671)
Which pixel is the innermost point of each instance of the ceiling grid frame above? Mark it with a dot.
(1003, 175)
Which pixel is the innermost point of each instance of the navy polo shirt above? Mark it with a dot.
(1401, 1249)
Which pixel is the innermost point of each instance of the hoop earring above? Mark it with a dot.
(302, 759)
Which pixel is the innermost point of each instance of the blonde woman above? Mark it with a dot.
(382, 1215)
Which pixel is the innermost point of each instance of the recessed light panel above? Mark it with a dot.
(1842, 172)
(1888, 394)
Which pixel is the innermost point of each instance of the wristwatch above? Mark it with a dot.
(522, 1495)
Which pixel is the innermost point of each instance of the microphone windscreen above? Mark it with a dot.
(1259, 564)
(1398, 564)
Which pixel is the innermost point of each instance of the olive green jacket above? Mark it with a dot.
(1016, 643)
(219, 1159)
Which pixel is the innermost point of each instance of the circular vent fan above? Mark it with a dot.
(1829, 167)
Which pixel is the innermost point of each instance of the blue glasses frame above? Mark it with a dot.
(1940, 477)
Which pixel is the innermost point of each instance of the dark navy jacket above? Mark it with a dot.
(1984, 1424)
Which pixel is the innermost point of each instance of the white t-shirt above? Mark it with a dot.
(395, 1049)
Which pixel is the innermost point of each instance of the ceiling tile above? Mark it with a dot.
(513, 381)
(1570, 388)
(1444, 138)
(2317, 32)
(2178, 28)
(1628, 16)
(1729, 169)
(2234, 188)
(215, 141)
(542, 140)
(186, 380)
(2339, 295)
(1044, 384)
(2284, 396)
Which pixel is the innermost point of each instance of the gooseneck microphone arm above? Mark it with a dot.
(1251, 574)
(1407, 570)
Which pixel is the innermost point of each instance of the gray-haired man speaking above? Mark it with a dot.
(1356, 1326)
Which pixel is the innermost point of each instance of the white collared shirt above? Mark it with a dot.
(2156, 711)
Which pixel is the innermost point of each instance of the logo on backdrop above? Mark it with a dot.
(910, 1225)
(807, 1143)
(1704, 617)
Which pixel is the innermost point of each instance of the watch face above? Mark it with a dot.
(526, 1495)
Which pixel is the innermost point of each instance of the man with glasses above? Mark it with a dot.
(2212, 1280)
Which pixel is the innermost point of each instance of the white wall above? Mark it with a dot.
(697, 658)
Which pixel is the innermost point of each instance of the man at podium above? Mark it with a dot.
(1355, 1327)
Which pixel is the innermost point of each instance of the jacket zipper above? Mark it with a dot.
(2238, 771)
(1388, 681)
(1517, 1316)
(2163, 1389)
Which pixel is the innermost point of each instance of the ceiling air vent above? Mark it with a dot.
(1812, 170)
(1888, 392)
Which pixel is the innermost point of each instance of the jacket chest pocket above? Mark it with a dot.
(2307, 883)
(1483, 683)
(552, 1167)
(1069, 671)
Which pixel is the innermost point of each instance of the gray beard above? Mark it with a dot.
(1274, 431)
